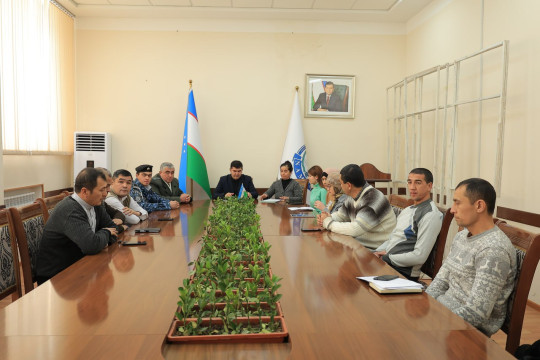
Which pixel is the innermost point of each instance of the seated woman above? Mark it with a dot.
(318, 192)
(336, 197)
(285, 188)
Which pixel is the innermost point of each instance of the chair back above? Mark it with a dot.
(303, 183)
(49, 203)
(435, 259)
(527, 247)
(10, 277)
(399, 203)
(29, 223)
(373, 175)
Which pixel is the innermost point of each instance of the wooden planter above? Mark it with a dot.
(276, 337)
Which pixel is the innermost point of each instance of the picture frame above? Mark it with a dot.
(340, 103)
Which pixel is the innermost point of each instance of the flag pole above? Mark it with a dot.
(297, 87)
(190, 179)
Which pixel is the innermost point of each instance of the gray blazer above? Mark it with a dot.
(293, 191)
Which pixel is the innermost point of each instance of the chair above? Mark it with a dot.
(528, 253)
(49, 203)
(28, 222)
(373, 175)
(303, 183)
(434, 261)
(10, 277)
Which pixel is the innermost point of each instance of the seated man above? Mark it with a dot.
(117, 216)
(366, 214)
(78, 226)
(119, 198)
(417, 228)
(144, 195)
(230, 185)
(166, 185)
(477, 277)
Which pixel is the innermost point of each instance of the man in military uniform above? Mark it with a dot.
(144, 195)
(166, 185)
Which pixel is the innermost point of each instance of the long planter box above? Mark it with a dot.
(221, 306)
(275, 337)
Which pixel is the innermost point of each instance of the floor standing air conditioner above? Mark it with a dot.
(92, 149)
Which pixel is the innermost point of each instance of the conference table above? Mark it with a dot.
(120, 302)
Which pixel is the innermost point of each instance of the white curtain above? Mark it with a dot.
(29, 86)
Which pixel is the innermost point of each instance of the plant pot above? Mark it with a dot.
(275, 337)
(221, 306)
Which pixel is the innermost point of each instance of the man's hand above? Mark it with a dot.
(185, 198)
(379, 254)
(229, 194)
(321, 217)
(249, 195)
(174, 204)
(117, 221)
(285, 198)
(112, 231)
(263, 196)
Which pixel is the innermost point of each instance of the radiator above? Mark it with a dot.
(19, 200)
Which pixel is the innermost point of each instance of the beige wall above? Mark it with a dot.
(53, 171)
(455, 31)
(134, 84)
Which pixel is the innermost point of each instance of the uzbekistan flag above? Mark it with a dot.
(192, 163)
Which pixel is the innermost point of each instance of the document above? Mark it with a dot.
(395, 286)
(271, 201)
(301, 208)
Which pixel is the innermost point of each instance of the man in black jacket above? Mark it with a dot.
(78, 226)
(230, 185)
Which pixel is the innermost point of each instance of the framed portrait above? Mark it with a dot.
(329, 96)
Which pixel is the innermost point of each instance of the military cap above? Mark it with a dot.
(143, 168)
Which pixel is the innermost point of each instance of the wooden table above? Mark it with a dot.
(120, 303)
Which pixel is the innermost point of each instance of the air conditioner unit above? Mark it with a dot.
(92, 149)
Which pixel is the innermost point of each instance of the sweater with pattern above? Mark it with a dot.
(477, 278)
(369, 218)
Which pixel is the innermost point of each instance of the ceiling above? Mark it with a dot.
(397, 11)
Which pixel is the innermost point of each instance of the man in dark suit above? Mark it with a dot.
(328, 101)
(230, 185)
(166, 185)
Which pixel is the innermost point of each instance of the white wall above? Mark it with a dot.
(53, 171)
(134, 84)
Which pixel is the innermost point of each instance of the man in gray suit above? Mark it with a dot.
(166, 185)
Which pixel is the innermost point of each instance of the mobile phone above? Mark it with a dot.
(385, 277)
(165, 219)
(133, 243)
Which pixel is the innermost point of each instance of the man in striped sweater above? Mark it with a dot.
(365, 215)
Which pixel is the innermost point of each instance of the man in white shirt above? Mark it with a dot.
(120, 199)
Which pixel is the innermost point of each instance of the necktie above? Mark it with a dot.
(327, 99)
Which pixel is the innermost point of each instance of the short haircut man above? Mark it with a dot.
(328, 100)
(116, 215)
(144, 195)
(167, 186)
(78, 226)
(231, 184)
(119, 197)
(366, 214)
(416, 230)
(477, 277)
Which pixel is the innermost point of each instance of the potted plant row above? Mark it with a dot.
(231, 294)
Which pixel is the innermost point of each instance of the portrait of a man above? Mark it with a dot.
(330, 96)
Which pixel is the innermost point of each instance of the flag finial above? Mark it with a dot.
(297, 87)
(190, 82)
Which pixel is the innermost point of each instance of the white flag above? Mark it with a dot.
(295, 147)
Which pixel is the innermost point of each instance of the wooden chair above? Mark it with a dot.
(527, 247)
(373, 175)
(10, 277)
(434, 261)
(29, 223)
(303, 183)
(49, 203)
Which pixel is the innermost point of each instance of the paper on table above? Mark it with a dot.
(398, 283)
(272, 201)
(301, 208)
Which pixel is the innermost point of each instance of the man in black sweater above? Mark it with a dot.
(78, 226)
